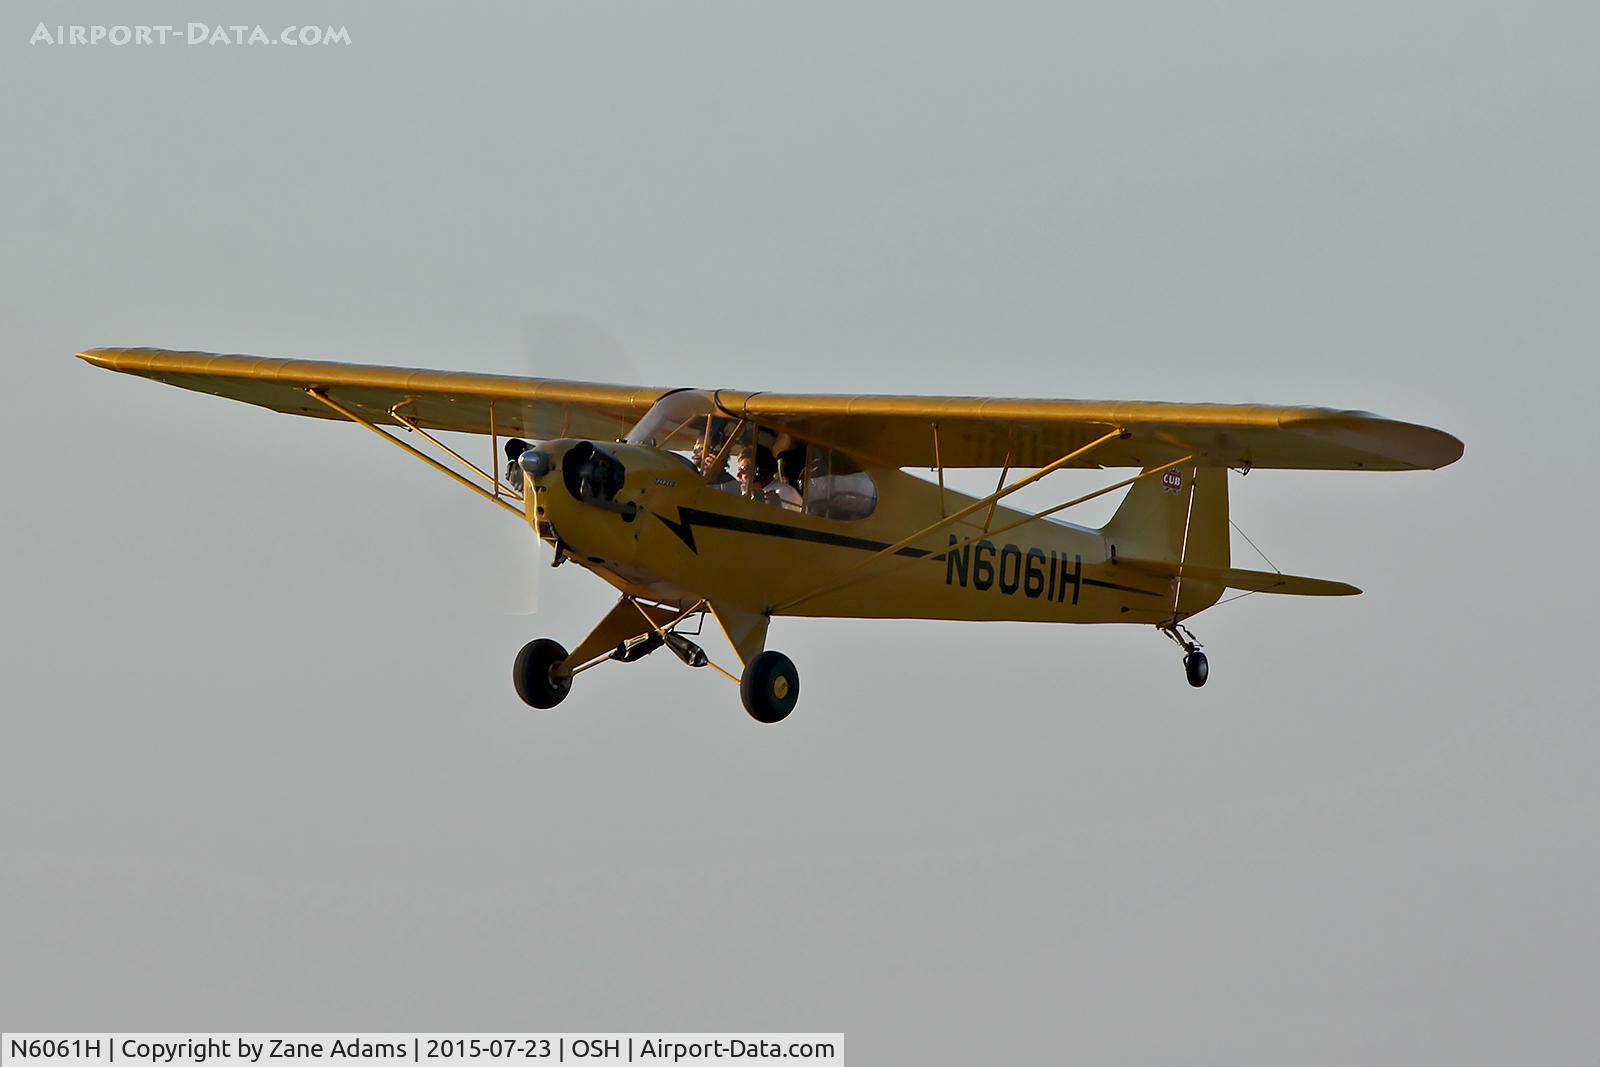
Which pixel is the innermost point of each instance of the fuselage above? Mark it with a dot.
(663, 533)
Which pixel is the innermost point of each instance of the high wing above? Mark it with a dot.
(541, 408)
(902, 431)
(983, 432)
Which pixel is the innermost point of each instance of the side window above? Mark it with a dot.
(768, 468)
(837, 487)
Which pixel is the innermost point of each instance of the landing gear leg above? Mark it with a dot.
(1195, 666)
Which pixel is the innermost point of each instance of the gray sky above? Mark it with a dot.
(263, 765)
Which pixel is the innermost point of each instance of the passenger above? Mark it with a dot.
(791, 465)
(761, 481)
(515, 447)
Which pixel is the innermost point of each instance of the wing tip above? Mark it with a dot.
(1446, 448)
(100, 357)
(1397, 445)
(119, 358)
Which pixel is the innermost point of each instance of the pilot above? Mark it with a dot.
(762, 483)
(515, 447)
(721, 478)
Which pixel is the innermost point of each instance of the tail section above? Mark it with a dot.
(1175, 526)
(1177, 520)
(1179, 516)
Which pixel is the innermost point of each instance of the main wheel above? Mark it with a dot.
(770, 687)
(535, 675)
(1195, 666)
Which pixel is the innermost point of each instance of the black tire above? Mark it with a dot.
(1196, 667)
(770, 687)
(535, 674)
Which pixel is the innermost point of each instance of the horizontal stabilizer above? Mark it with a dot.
(1234, 578)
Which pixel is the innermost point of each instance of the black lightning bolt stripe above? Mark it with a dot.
(689, 518)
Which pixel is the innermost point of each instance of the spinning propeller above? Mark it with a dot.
(553, 346)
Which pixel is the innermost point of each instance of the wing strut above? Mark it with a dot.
(1074, 502)
(855, 573)
(1005, 472)
(411, 424)
(855, 576)
(319, 395)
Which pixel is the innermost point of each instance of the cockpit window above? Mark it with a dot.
(756, 462)
(836, 486)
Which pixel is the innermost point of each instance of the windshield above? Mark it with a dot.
(675, 423)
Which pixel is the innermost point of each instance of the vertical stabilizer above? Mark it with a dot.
(1180, 515)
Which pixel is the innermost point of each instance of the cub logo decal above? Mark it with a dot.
(1172, 481)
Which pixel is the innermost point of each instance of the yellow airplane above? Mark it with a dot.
(755, 505)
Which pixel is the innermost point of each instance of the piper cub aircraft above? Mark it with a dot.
(752, 506)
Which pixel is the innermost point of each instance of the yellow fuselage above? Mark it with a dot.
(668, 536)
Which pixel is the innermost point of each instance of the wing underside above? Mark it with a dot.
(979, 432)
(541, 408)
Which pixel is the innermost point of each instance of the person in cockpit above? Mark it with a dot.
(515, 447)
(761, 482)
(721, 478)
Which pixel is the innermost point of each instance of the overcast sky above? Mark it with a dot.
(263, 765)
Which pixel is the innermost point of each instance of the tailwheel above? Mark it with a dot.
(538, 674)
(1195, 667)
(770, 687)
